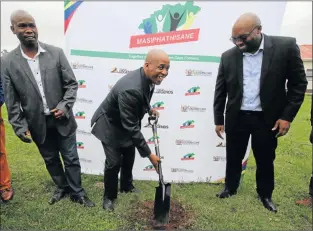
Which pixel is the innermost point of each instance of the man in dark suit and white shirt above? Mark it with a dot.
(252, 76)
(117, 123)
(40, 91)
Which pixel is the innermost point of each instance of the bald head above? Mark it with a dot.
(248, 19)
(156, 54)
(156, 66)
(19, 14)
(24, 27)
(246, 32)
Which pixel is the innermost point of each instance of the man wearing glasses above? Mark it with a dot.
(253, 75)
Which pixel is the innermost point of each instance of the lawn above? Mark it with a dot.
(33, 188)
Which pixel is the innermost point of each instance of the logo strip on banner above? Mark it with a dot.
(133, 56)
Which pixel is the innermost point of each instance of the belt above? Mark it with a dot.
(246, 112)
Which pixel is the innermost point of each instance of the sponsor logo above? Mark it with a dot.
(82, 132)
(120, 70)
(181, 170)
(163, 91)
(186, 142)
(158, 126)
(189, 156)
(187, 108)
(77, 65)
(190, 72)
(80, 145)
(188, 124)
(82, 100)
(168, 25)
(149, 168)
(151, 140)
(80, 115)
(158, 106)
(219, 158)
(193, 91)
(81, 83)
(85, 160)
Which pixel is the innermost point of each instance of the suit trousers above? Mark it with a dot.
(5, 175)
(118, 159)
(264, 144)
(69, 177)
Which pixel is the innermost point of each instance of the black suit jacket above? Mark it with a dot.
(117, 121)
(281, 62)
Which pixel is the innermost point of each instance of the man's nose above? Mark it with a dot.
(165, 72)
(29, 30)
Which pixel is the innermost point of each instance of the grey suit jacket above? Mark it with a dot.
(117, 121)
(23, 98)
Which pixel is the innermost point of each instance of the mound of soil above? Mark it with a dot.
(180, 217)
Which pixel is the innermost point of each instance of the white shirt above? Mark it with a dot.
(252, 65)
(151, 86)
(34, 66)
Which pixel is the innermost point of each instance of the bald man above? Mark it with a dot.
(40, 91)
(117, 123)
(253, 75)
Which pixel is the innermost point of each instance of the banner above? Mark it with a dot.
(106, 40)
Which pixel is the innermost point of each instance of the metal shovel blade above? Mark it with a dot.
(162, 203)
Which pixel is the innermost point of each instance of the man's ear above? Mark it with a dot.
(12, 29)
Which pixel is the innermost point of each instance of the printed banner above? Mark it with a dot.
(106, 40)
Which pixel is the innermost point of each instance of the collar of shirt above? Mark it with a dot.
(261, 48)
(151, 86)
(40, 49)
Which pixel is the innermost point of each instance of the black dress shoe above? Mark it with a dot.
(83, 200)
(225, 193)
(57, 196)
(108, 204)
(268, 204)
(133, 190)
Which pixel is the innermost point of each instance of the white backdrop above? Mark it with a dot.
(105, 40)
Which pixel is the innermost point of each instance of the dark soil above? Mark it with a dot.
(180, 217)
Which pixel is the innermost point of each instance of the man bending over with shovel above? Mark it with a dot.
(117, 123)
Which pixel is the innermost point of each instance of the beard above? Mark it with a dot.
(251, 45)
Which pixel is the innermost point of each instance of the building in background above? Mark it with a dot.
(306, 55)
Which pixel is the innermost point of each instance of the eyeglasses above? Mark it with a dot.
(242, 38)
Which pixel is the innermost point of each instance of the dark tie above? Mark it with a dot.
(150, 93)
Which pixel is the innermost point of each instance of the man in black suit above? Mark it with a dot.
(117, 123)
(252, 75)
(308, 201)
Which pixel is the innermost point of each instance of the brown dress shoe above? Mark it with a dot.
(305, 202)
(7, 194)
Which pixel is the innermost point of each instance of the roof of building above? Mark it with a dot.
(306, 51)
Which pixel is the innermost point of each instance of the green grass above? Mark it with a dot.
(293, 167)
